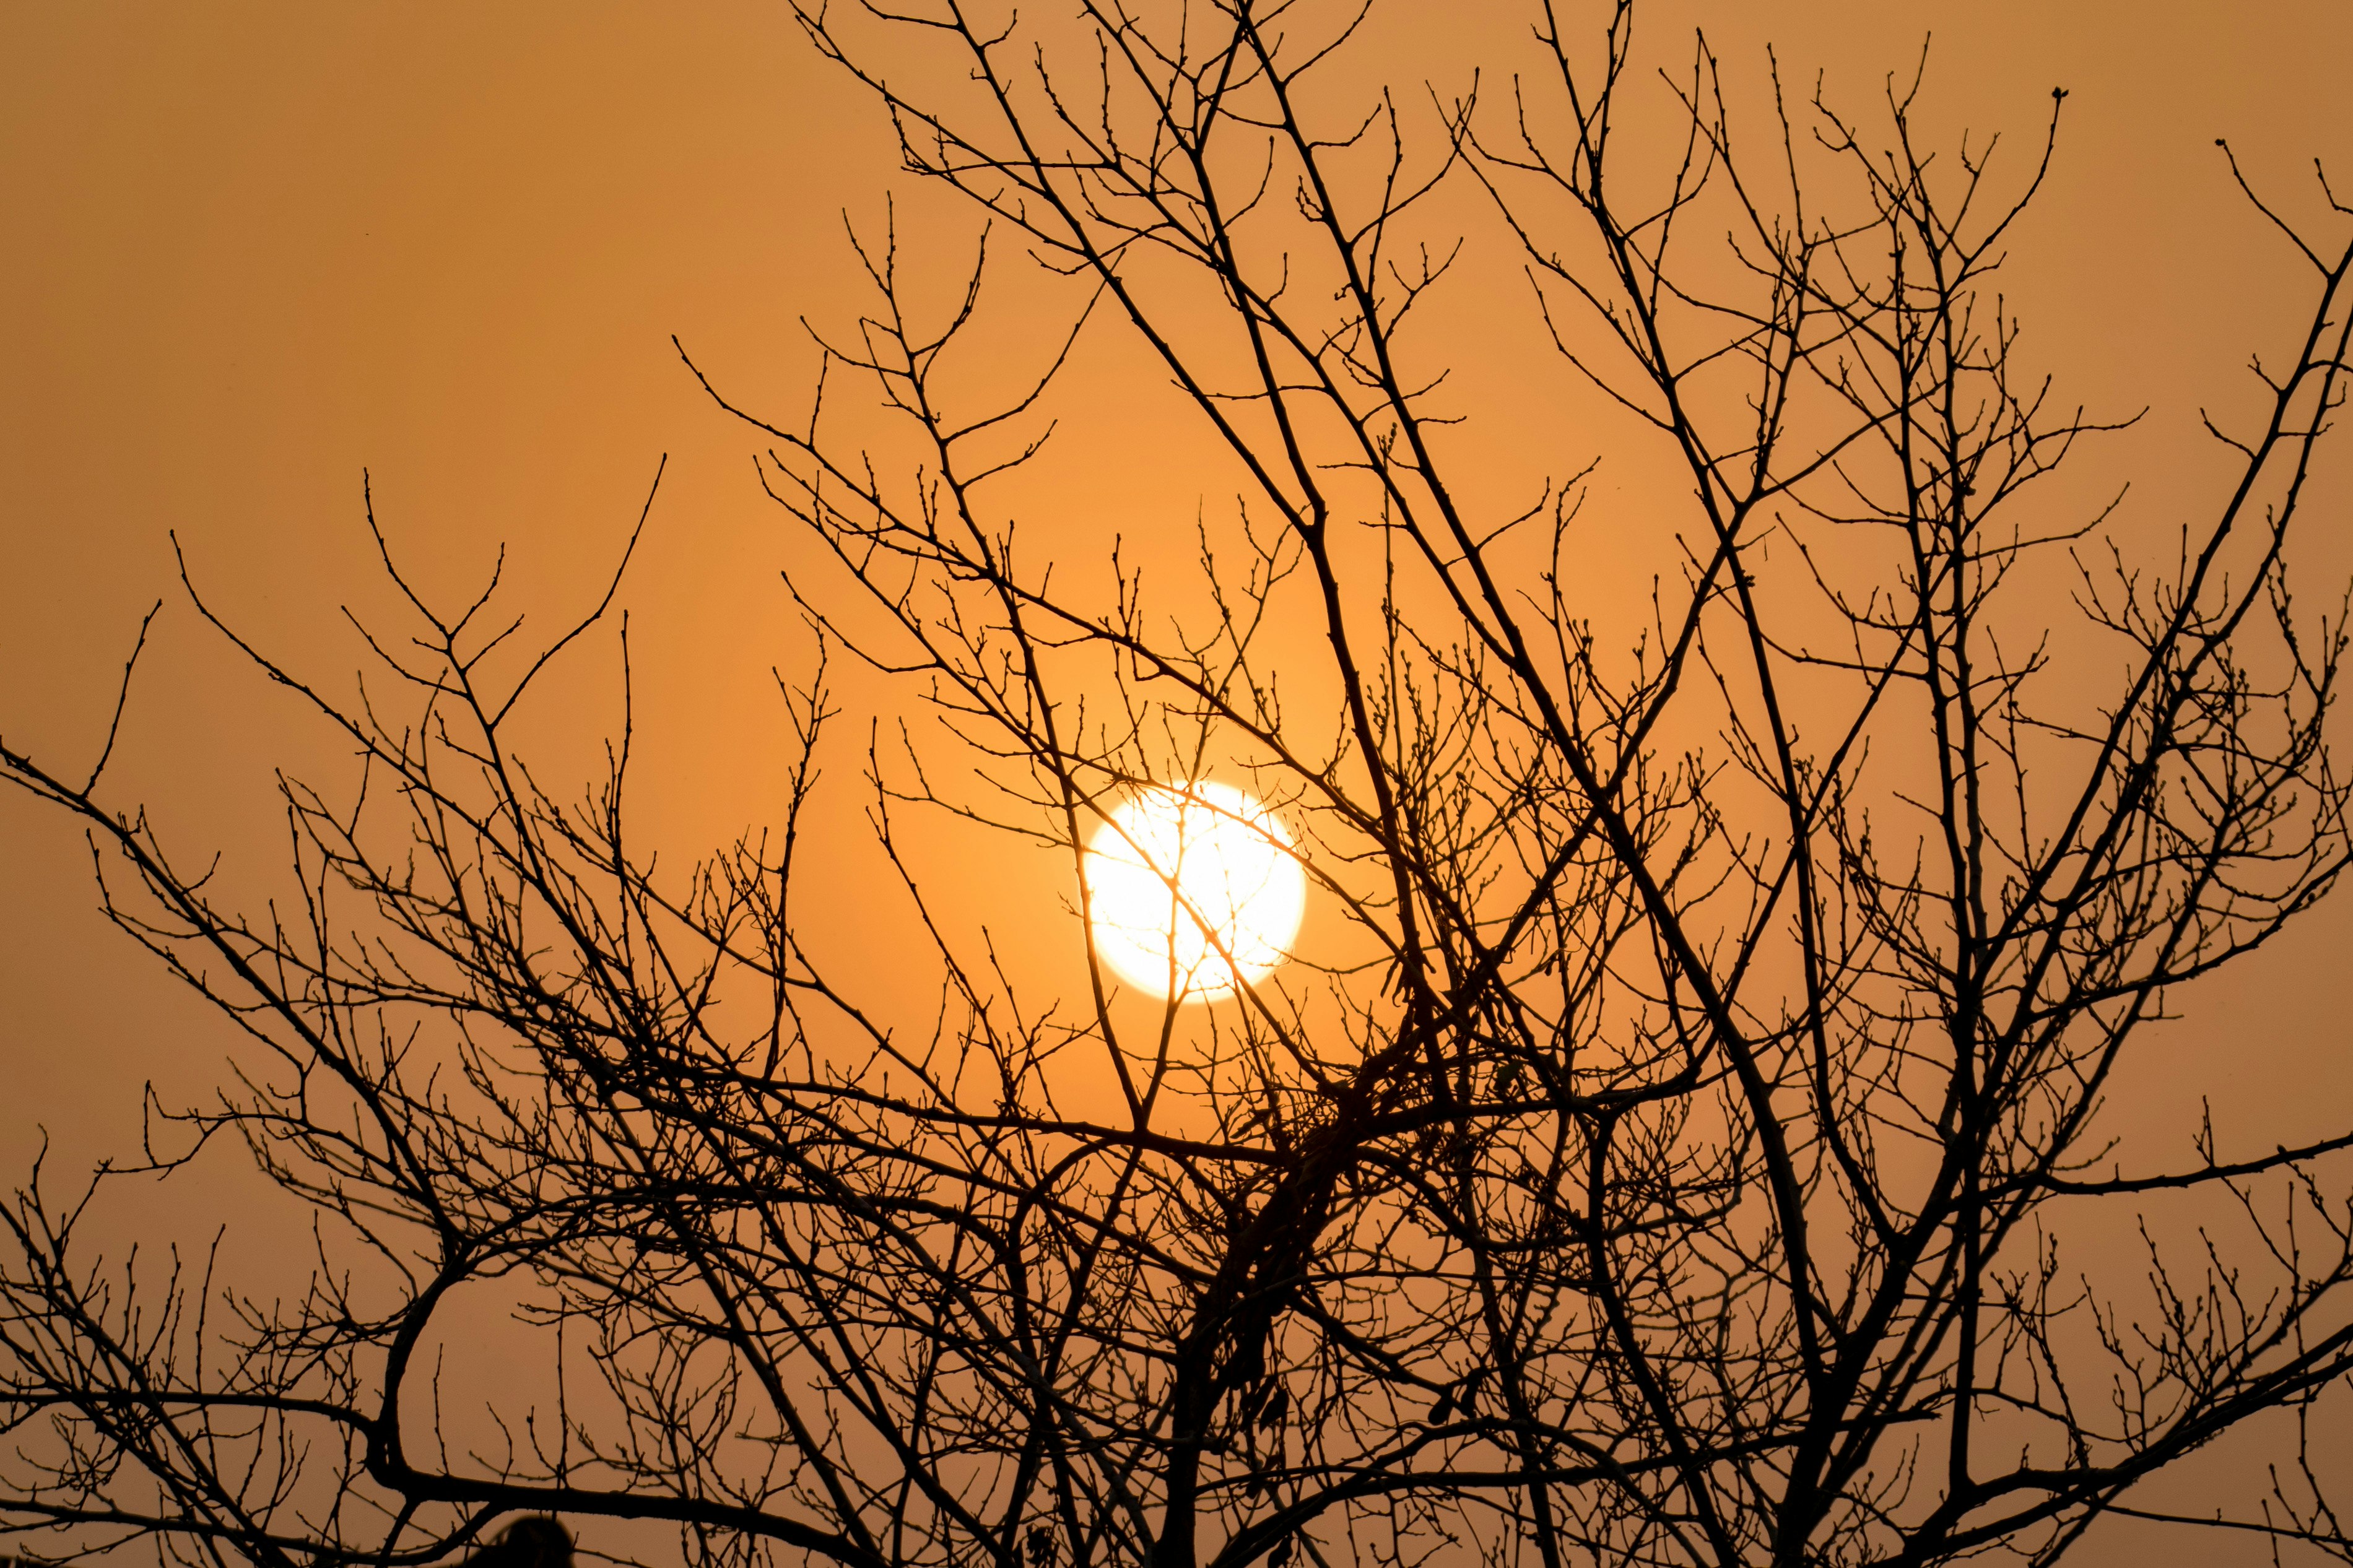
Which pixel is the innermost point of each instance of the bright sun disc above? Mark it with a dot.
(1179, 879)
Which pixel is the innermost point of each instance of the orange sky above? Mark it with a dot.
(252, 249)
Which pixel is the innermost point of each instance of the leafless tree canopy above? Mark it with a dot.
(1672, 1163)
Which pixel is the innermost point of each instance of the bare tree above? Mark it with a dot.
(1671, 1164)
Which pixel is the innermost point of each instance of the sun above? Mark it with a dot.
(1180, 880)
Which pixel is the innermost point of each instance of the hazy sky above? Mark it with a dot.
(249, 251)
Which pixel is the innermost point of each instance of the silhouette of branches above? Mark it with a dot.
(1674, 1161)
